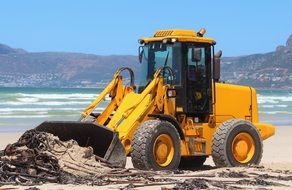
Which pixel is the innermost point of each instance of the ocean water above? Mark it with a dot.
(25, 108)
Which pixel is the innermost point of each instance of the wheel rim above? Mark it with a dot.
(163, 150)
(243, 147)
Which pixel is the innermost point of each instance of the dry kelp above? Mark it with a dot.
(39, 157)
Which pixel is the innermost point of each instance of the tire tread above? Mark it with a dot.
(142, 136)
(218, 142)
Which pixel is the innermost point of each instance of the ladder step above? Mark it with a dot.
(198, 127)
(201, 140)
(199, 154)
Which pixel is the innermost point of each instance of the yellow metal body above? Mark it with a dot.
(178, 35)
(234, 101)
(128, 109)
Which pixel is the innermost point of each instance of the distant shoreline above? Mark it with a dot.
(101, 87)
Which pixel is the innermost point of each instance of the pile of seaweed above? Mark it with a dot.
(39, 157)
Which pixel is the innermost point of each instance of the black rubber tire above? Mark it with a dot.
(190, 163)
(222, 143)
(143, 142)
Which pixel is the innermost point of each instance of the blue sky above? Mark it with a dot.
(109, 27)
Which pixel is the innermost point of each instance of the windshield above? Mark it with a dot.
(156, 55)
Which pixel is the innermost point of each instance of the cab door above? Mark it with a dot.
(198, 79)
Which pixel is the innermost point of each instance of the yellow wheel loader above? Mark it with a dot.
(176, 115)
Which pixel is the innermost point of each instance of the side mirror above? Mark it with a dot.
(140, 53)
(196, 54)
(217, 63)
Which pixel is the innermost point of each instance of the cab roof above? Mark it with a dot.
(180, 35)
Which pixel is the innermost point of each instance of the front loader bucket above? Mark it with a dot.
(105, 142)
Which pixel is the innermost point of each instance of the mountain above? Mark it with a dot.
(4, 49)
(19, 68)
(56, 69)
(266, 71)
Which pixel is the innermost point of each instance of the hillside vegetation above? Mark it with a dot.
(270, 70)
(20, 68)
(55, 69)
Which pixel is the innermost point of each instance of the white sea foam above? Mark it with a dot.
(13, 110)
(273, 106)
(263, 101)
(59, 96)
(23, 116)
(273, 99)
(275, 112)
(47, 103)
(38, 109)
(282, 106)
(107, 98)
(24, 109)
(28, 99)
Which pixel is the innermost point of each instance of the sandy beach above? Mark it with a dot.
(276, 161)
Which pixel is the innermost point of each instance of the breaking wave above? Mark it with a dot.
(273, 99)
(273, 106)
(47, 103)
(74, 96)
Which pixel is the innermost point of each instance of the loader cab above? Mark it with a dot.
(191, 64)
